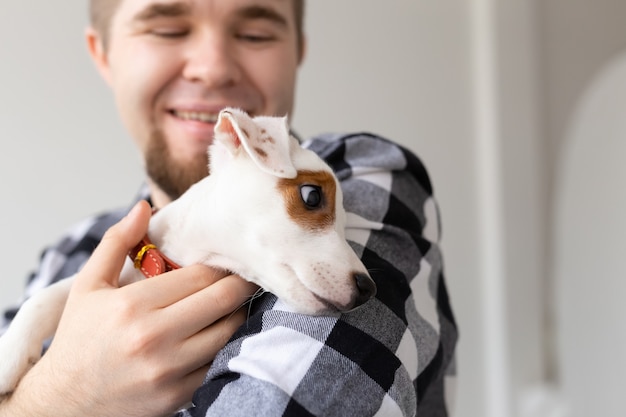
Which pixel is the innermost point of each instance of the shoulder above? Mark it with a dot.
(71, 251)
(83, 235)
(354, 153)
(382, 182)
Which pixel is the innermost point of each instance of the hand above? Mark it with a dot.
(138, 350)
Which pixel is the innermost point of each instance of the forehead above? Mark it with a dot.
(218, 9)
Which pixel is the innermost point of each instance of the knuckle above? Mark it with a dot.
(157, 375)
(139, 342)
(139, 336)
(125, 307)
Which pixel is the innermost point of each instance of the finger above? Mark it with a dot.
(185, 388)
(199, 310)
(203, 346)
(104, 266)
(178, 393)
(173, 286)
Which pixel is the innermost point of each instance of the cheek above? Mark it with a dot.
(138, 78)
(274, 75)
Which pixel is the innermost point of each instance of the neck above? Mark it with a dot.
(159, 198)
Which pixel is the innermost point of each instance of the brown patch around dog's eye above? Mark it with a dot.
(317, 218)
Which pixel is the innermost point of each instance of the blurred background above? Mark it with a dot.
(517, 108)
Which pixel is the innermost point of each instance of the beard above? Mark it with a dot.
(172, 176)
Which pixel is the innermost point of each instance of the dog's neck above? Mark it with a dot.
(175, 227)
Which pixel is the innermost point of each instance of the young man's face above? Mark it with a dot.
(173, 64)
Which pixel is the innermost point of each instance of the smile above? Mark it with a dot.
(196, 116)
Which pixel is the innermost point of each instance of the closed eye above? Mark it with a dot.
(253, 38)
(164, 20)
(170, 33)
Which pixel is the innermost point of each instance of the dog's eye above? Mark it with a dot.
(311, 195)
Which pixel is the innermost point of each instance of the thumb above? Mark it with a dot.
(105, 264)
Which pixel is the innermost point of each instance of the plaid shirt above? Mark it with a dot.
(392, 357)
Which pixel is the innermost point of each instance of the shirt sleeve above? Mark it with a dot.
(394, 356)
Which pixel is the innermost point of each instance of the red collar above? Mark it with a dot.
(150, 260)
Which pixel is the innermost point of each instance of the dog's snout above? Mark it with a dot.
(366, 289)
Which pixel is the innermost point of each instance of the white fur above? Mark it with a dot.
(234, 219)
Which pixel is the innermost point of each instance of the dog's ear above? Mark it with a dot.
(265, 140)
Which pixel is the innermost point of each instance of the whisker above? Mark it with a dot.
(249, 299)
(258, 293)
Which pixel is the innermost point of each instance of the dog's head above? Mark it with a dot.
(286, 213)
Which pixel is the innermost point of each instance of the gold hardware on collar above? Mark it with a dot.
(142, 253)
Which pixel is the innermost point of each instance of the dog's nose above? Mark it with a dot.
(366, 289)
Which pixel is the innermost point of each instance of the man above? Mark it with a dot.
(172, 65)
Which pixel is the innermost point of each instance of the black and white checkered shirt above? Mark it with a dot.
(392, 357)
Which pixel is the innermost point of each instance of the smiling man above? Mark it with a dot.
(158, 344)
(173, 65)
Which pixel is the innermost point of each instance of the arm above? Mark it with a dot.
(128, 351)
(392, 355)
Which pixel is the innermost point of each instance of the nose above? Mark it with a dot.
(211, 61)
(366, 288)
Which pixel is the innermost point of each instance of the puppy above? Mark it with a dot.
(270, 211)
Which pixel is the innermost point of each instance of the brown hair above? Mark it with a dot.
(101, 14)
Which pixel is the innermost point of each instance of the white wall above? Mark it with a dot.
(582, 102)
(590, 236)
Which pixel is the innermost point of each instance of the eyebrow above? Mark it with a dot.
(155, 10)
(176, 9)
(264, 13)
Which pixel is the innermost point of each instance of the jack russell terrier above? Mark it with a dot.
(270, 211)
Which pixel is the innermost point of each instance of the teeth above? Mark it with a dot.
(201, 117)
